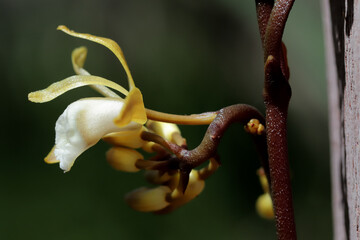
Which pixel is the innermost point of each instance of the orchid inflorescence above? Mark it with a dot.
(128, 126)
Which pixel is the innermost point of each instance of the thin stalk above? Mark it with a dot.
(193, 119)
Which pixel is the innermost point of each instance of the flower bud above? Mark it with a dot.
(123, 159)
(148, 199)
(194, 188)
(254, 127)
(264, 206)
(130, 138)
(165, 130)
(155, 177)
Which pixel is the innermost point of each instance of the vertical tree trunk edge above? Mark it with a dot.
(342, 42)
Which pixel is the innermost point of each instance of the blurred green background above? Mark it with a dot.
(186, 57)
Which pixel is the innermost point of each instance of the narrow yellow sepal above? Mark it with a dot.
(58, 88)
(78, 57)
(50, 158)
(110, 44)
(133, 110)
(123, 159)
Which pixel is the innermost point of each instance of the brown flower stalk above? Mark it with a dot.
(272, 16)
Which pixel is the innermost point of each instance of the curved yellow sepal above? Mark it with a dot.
(110, 44)
(58, 88)
(133, 110)
(78, 58)
(50, 158)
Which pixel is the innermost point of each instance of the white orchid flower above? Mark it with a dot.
(86, 121)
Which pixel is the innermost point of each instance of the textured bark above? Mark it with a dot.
(342, 37)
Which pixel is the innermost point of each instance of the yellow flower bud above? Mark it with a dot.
(148, 199)
(147, 147)
(130, 139)
(194, 188)
(165, 130)
(123, 159)
(154, 177)
(264, 206)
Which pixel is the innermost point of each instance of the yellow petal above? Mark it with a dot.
(148, 199)
(123, 159)
(110, 44)
(50, 158)
(133, 110)
(264, 206)
(58, 88)
(130, 139)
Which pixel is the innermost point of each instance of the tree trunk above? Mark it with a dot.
(342, 37)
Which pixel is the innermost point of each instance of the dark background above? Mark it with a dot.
(186, 57)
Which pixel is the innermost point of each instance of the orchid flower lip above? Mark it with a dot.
(83, 124)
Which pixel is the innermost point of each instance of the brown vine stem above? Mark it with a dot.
(241, 113)
(272, 17)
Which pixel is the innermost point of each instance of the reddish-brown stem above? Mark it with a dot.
(275, 28)
(279, 173)
(236, 113)
(263, 11)
(277, 93)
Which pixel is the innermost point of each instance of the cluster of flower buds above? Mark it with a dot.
(254, 127)
(171, 191)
